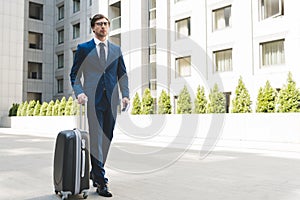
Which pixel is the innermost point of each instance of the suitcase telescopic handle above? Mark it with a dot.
(83, 116)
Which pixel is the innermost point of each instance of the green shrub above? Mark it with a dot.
(289, 97)
(50, 108)
(37, 109)
(13, 110)
(55, 108)
(266, 99)
(216, 101)
(69, 107)
(62, 107)
(241, 102)
(19, 112)
(184, 103)
(43, 110)
(164, 103)
(136, 109)
(147, 103)
(200, 101)
(24, 109)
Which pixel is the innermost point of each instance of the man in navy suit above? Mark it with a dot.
(101, 64)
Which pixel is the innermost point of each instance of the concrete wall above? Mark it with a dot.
(208, 132)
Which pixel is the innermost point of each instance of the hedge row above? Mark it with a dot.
(268, 100)
(61, 107)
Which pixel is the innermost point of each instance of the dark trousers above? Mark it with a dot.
(106, 118)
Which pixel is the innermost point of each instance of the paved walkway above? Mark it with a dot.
(152, 173)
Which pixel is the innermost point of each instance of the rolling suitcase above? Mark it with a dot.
(71, 161)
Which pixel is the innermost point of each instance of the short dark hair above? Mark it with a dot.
(96, 17)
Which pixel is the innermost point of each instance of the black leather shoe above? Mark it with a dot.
(102, 190)
(93, 179)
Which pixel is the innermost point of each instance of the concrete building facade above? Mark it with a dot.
(166, 45)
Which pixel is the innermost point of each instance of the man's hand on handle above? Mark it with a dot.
(82, 98)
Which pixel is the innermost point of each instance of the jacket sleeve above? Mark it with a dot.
(76, 71)
(122, 77)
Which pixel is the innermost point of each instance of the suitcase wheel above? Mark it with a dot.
(85, 195)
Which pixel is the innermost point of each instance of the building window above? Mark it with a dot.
(76, 31)
(34, 96)
(76, 6)
(60, 85)
(91, 2)
(60, 36)
(271, 8)
(152, 49)
(60, 61)
(35, 70)
(183, 66)
(272, 53)
(152, 9)
(183, 28)
(35, 40)
(74, 53)
(35, 11)
(222, 18)
(223, 60)
(61, 12)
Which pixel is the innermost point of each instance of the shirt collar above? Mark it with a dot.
(97, 41)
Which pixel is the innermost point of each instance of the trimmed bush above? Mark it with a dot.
(184, 103)
(241, 103)
(50, 108)
(62, 107)
(19, 112)
(164, 103)
(147, 103)
(266, 99)
(200, 101)
(43, 110)
(55, 108)
(13, 110)
(289, 97)
(216, 101)
(69, 107)
(37, 109)
(24, 109)
(136, 109)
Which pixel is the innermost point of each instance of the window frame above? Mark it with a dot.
(262, 54)
(214, 24)
(38, 71)
(36, 6)
(60, 36)
(219, 69)
(262, 11)
(179, 35)
(76, 6)
(38, 45)
(61, 12)
(76, 30)
(178, 67)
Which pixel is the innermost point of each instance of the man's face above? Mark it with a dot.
(101, 28)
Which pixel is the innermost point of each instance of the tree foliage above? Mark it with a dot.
(242, 102)
(136, 109)
(184, 103)
(266, 99)
(164, 103)
(37, 108)
(289, 97)
(216, 101)
(200, 101)
(147, 103)
(43, 110)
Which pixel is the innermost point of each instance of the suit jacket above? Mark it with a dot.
(87, 63)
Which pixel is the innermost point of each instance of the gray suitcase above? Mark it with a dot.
(71, 162)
